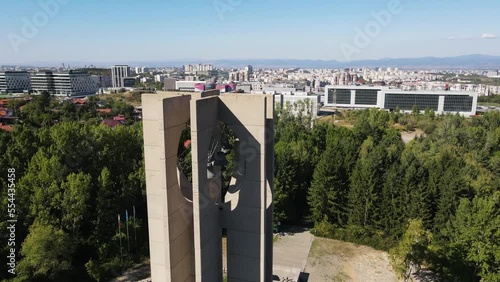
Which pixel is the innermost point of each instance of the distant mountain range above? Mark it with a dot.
(460, 62)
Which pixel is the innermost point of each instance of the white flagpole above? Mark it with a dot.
(135, 231)
(120, 236)
(128, 241)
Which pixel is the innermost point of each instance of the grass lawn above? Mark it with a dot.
(489, 104)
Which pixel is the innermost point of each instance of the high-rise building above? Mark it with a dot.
(118, 73)
(159, 78)
(69, 83)
(14, 82)
(248, 73)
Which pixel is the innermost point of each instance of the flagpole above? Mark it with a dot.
(135, 231)
(120, 236)
(128, 241)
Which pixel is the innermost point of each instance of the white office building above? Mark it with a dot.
(118, 73)
(69, 84)
(441, 102)
(14, 82)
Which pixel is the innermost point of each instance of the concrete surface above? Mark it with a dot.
(290, 254)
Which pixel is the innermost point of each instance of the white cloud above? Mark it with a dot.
(488, 36)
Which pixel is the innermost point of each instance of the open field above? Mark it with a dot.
(408, 136)
(337, 261)
(337, 120)
(131, 98)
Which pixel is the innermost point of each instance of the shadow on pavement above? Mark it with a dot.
(290, 230)
(303, 277)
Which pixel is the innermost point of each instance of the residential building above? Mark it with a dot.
(159, 78)
(118, 73)
(139, 70)
(196, 68)
(14, 82)
(245, 74)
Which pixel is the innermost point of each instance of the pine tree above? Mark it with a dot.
(392, 215)
(417, 202)
(328, 195)
(364, 189)
(328, 189)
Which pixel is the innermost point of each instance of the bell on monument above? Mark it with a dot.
(210, 170)
(226, 147)
(220, 159)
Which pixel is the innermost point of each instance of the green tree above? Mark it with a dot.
(76, 201)
(393, 201)
(409, 255)
(365, 186)
(47, 254)
(475, 235)
(417, 202)
(330, 185)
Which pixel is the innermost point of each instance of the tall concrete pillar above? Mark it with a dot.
(186, 221)
(170, 218)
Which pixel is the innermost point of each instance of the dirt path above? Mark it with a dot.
(331, 260)
(137, 273)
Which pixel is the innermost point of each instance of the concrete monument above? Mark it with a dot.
(186, 220)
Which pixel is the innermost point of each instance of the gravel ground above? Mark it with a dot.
(409, 136)
(331, 260)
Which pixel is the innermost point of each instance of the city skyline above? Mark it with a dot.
(110, 32)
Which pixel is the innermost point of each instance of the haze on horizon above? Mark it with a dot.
(112, 31)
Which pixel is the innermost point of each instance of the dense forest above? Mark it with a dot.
(73, 177)
(432, 203)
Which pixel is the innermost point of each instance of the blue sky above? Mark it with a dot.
(114, 31)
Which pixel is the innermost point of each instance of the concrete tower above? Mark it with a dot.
(186, 219)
